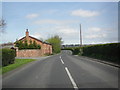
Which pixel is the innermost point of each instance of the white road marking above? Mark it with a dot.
(72, 80)
(62, 61)
(60, 57)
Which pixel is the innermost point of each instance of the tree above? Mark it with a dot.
(21, 45)
(25, 44)
(35, 44)
(31, 45)
(17, 43)
(38, 47)
(56, 42)
(2, 25)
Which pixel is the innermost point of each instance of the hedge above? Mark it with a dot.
(8, 56)
(108, 52)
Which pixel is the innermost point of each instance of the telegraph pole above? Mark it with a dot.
(80, 37)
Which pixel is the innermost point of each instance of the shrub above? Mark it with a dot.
(47, 54)
(24, 45)
(8, 56)
(38, 47)
(107, 52)
(0, 58)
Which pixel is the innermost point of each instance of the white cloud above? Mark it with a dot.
(95, 36)
(38, 35)
(52, 21)
(94, 29)
(68, 31)
(84, 13)
(31, 16)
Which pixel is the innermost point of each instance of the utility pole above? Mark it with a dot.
(80, 37)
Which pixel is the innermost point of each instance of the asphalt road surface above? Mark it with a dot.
(63, 71)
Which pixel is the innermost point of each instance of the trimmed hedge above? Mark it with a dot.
(107, 52)
(8, 56)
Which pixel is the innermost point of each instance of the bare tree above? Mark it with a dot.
(2, 25)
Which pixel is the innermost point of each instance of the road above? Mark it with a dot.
(63, 71)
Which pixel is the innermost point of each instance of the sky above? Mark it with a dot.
(99, 21)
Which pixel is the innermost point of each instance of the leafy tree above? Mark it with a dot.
(56, 42)
(2, 25)
(21, 45)
(17, 43)
(35, 44)
(31, 45)
(25, 44)
(38, 47)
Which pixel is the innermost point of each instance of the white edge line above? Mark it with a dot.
(72, 80)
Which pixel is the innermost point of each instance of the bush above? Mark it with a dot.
(24, 45)
(8, 56)
(107, 52)
(0, 58)
(47, 54)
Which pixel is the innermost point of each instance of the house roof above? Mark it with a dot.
(35, 39)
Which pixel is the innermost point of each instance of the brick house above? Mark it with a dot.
(46, 48)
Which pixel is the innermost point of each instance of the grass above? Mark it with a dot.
(18, 63)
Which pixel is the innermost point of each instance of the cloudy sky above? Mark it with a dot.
(99, 21)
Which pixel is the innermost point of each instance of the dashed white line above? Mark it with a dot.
(72, 80)
(60, 57)
(69, 75)
(62, 61)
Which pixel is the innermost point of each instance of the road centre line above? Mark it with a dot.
(62, 61)
(60, 57)
(69, 75)
(71, 79)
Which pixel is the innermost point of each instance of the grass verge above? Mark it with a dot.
(18, 63)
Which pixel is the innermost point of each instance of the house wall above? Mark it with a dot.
(29, 53)
(45, 48)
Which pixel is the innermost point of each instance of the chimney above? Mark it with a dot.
(27, 34)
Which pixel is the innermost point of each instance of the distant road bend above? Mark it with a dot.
(63, 71)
